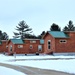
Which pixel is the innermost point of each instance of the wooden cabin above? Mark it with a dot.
(3, 47)
(27, 46)
(59, 42)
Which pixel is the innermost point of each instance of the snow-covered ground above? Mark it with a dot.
(64, 65)
(7, 71)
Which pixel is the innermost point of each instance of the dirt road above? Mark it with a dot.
(33, 71)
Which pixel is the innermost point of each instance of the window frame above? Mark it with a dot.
(31, 47)
(32, 41)
(20, 46)
(6, 46)
(40, 49)
(49, 44)
(63, 41)
(10, 48)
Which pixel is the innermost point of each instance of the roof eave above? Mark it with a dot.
(62, 37)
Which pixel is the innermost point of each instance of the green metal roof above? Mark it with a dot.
(17, 41)
(58, 34)
(41, 41)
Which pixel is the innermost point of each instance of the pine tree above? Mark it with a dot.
(3, 36)
(55, 27)
(69, 27)
(22, 29)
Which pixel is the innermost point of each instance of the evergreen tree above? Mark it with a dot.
(55, 27)
(22, 29)
(41, 35)
(69, 27)
(3, 36)
(30, 36)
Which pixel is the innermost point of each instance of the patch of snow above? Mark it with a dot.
(4, 58)
(8, 71)
(42, 57)
(59, 65)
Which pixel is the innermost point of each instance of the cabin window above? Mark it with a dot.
(31, 46)
(39, 47)
(63, 41)
(49, 44)
(32, 41)
(11, 48)
(6, 46)
(20, 46)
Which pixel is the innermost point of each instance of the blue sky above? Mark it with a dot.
(38, 14)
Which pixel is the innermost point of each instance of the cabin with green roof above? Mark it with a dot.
(59, 42)
(27, 46)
